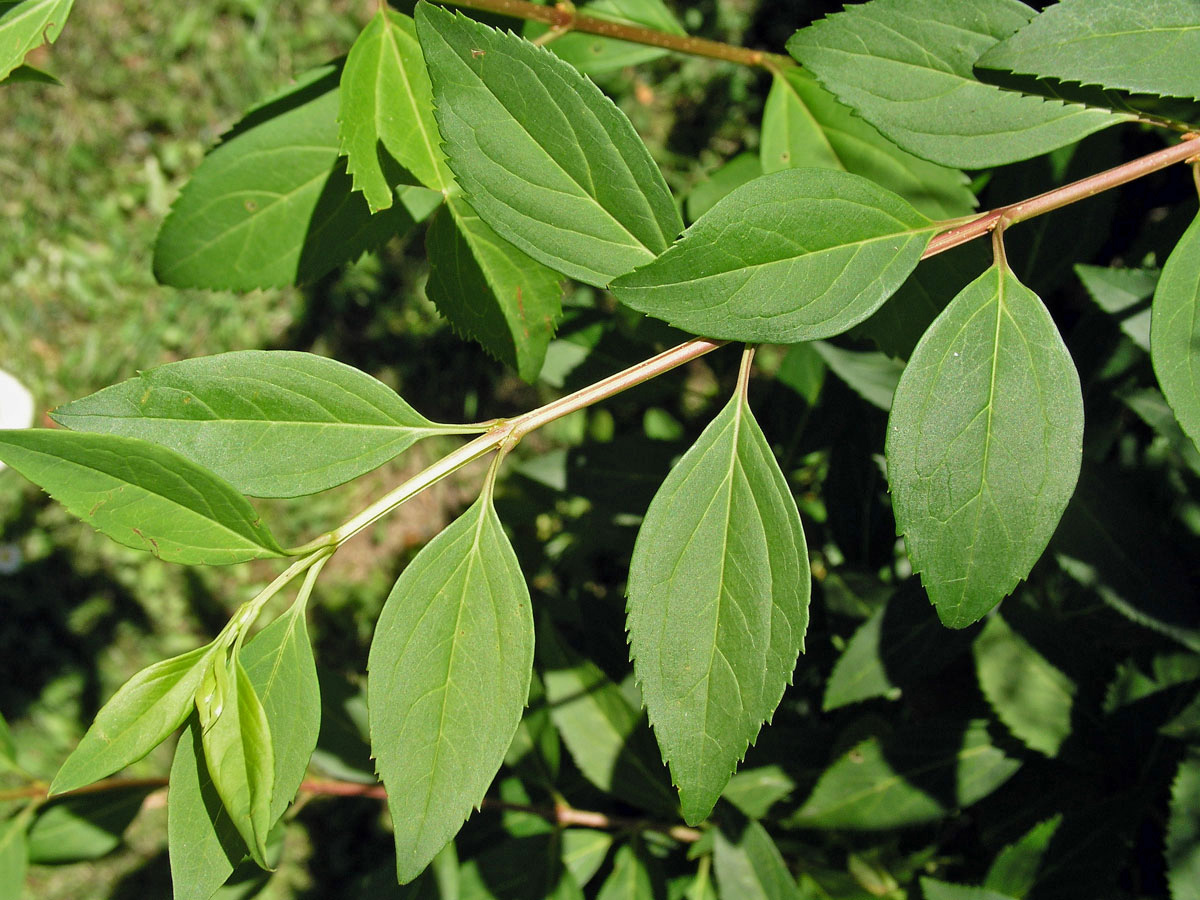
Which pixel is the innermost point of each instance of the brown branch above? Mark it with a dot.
(563, 17)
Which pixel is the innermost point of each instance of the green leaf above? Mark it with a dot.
(606, 736)
(449, 673)
(387, 107)
(30, 74)
(901, 643)
(204, 845)
(490, 290)
(747, 863)
(944, 890)
(794, 256)
(1128, 45)
(804, 125)
(1014, 871)
(8, 750)
(83, 827)
(238, 751)
(720, 182)
(272, 423)
(273, 205)
(141, 495)
(138, 718)
(873, 376)
(718, 603)
(1119, 292)
(596, 55)
(583, 852)
(544, 157)
(984, 445)
(1183, 830)
(26, 25)
(906, 67)
(629, 879)
(14, 856)
(755, 791)
(914, 776)
(1175, 331)
(1029, 695)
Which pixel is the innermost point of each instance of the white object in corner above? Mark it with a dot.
(16, 404)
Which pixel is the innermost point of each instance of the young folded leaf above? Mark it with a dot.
(490, 290)
(236, 738)
(797, 255)
(448, 676)
(906, 67)
(1129, 45)
(1175, 331)
(138, 718)
(387, 107)
(142, 495)
(203, 843)
(718, 603)
(273, 205)
(544, 157)
(272, 423)
(984, 445)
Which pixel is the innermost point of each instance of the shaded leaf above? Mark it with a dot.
(873, 376)
(720, 182)
(583, 852)
(944, 890)
(30, 74)
(14, 856)
(524, 868)
(142, 495)
(593, 54)
(8, 750)
(1029, 695)
(490, 290)
(544, 157)
(899, 644)
(26, 25)
(984, 445)
(629, 879)
(805, 125)
(138, 718)
(83, 827)
(1130, 45)
(906, 67)
(607, 737)
(718, 603)
(273, 205)
(1014, 871)
(913, 776)
(747, 864)
(792, 256)
(272, 423)
(1175, 331)
(1118, 292)
(238, 752)
(449, 673)
(755, 791)
(387, 106)
(1183, 830)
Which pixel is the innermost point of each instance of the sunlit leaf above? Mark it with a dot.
(142, 495)
(544, 157)
(1029, 695)
(449, 673)
(607, 737)
(984, 445)
(273, 205)
(1130, 45)
(490, 290)
(272, 423)
(913, 776)
(718, 603)
(1014, 871)
(583, 852)
(805, 125)
(238, 751)
(906, 67)
(629, 879)
(747, 863)
(26, 25)
(793, 256)
(1175, 331)
(138, 718)
(83, 827)
(387, 107)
